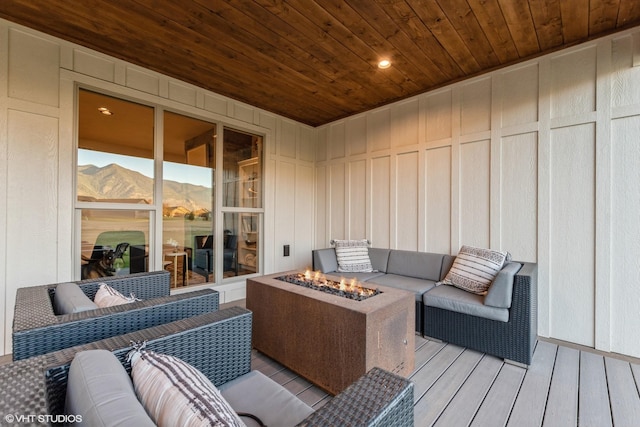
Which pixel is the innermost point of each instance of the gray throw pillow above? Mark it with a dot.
(69, 298)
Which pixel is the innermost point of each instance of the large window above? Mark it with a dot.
(141, 209)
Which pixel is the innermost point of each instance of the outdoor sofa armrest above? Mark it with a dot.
(378, 398)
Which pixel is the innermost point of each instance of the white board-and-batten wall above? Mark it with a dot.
(38, 77)
(541, 159)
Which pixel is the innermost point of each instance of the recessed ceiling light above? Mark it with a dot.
(385, 63)
(105, 111)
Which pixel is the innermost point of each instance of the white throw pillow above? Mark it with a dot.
(353, 256)
(108, 297)
(475, 268)
(175, 393)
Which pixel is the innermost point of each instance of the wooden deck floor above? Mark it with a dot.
(458, 387)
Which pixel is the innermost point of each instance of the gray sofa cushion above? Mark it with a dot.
(454, 299)
(447, 262)
(325, 261)
(69, 298)
(501, 290)
(101, 391)
(379, 259)
(259, 395)
(411, 284)
(423, 265)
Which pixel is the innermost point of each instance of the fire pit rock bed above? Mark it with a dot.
(503, 322)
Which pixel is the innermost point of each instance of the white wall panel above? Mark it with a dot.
(438, 113)
(380, 233)
(138, 79)
(625, 240)
(217, 104)
(286, 218)
(336, 205)
(288, 139)
(357, 199)
(519, 96)
(475, 115)
(304, 218)
(94, 65)
(336, 139)
(474, 195)
(322, 237)
(573, 83)
(438, 200)
(182, 93)
(356, 135)
(322, 144)
(379, 130)
(404, 123)
(519, 186)
(243, 112)
(625, 82)
(406, 201)
(572, 234)
(32, 194)
(307, 143)
(33, 77)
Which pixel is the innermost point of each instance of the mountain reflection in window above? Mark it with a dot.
(115, 152)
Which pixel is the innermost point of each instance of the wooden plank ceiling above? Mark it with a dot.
(315, 61)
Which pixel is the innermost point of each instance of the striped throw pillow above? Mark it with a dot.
(108, 297)
(174, 393)
(474, 269)
(353, 256)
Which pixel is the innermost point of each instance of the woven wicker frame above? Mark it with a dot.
(219, 345)
(513, 340)
(38, 330)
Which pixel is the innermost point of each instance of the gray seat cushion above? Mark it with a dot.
(256, 394)
(101, 391)
(411, 284)
(501, 290)
(422, 265)
(454, 299)
(69, 298)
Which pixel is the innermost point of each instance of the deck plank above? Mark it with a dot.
(455, 386)
(436, 398)
(461, 409)
(623, 393)
(425, 353)
(593, 400)
(425, 377)
(528, 410)
(562, 404)
(497, 405)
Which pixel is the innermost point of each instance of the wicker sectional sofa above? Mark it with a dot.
(37, 329)
(502, 323)
(218, 344)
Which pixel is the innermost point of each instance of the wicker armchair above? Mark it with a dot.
(38, 330)
(513, 340)
(219, 345)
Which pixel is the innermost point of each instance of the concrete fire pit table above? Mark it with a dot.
(328, 339)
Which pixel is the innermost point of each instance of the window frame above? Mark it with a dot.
(155, 242)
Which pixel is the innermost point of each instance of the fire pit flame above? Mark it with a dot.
(316, 280)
